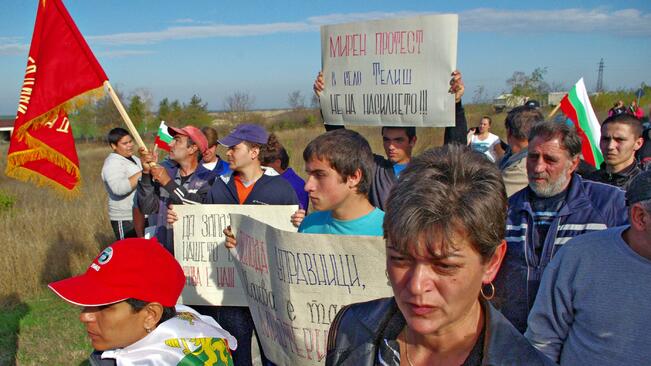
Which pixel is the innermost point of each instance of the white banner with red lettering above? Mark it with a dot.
(295, 284)
(393, 72)
(210, 273)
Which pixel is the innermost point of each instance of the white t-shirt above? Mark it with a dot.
(486, 146)
(210, 166)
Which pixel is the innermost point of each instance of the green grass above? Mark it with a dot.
(42, 330)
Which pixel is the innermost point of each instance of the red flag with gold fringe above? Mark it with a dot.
(61, 68)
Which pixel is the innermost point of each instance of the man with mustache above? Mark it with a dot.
(556, 206)
(573, 321)
(181, 181)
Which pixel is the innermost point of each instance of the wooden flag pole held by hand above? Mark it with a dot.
(125, 116)
(554, 111)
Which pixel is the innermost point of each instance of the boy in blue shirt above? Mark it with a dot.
(339, 165)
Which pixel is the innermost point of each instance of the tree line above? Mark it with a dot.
(97, 117)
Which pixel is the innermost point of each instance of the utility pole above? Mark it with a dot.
(600, 77)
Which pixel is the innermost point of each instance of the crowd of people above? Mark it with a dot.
(498, 252)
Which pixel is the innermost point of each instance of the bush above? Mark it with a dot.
(6, 202)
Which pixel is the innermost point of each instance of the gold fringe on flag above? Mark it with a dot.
(27, 175)
(38, 151)
(41, 151)
(77, 102)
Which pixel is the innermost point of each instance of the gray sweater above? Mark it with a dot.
(594, 303)
(115, 174)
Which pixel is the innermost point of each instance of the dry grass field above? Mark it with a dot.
(47, 237)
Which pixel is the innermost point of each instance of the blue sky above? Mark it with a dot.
(269, 48)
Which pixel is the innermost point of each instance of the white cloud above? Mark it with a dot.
(625, 22)
(13, 49)
(357, 17)
(184, 21)
(200, 31)
(13, 39)
(123, 53)
(190, 21)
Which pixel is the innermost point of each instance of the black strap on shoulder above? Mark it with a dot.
(334, 326)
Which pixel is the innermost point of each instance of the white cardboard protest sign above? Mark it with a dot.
(393, 72)
(211, 278)
(295, 284)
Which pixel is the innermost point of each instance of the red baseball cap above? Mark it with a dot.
(193, 133)
(131, 268)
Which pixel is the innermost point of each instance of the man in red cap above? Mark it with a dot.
(128, 295)
(186, 181)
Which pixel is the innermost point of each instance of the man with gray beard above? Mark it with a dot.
(594, 309)
(556, 206)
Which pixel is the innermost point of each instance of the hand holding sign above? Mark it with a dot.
(319, 84)
(230, 242)
(456, 86)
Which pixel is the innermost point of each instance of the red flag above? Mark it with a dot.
(60, 68)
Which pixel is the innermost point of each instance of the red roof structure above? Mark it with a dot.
(7, 124)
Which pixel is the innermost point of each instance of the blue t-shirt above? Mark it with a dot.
(398, 168)
(322, 222)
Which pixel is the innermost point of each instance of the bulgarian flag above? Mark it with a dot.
(576, 106)
(163, 138)
(61, 74)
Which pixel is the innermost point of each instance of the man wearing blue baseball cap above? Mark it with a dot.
(247, 184)
(246, 132)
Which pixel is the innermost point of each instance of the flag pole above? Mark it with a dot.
(553, 112)
(125, 116)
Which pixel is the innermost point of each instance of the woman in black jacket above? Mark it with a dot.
(444, 230)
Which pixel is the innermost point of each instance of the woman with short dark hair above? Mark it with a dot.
(444, 229)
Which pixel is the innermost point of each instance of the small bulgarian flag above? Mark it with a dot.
(163, 138)
(576, 106)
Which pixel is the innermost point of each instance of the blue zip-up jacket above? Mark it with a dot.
(268, 190)
(589, 206)
(221, 168)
